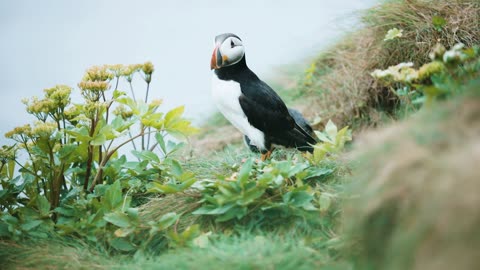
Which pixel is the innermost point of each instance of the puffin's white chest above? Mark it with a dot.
(226, 96)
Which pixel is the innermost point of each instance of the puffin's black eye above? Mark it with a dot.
(231, 43)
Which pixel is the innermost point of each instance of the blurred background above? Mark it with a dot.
(44, 43)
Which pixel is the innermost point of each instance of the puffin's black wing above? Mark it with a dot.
(264, 109)
(267, 112)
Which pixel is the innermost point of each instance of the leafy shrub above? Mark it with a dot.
(74, 181)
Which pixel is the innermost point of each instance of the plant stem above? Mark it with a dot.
(106, 158)
(131, 90)
(89, 154)
(146, 94)
(149, 128)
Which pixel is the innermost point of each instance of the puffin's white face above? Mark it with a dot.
(228, 51)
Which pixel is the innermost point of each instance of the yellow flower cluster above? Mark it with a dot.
(95, 86)
(148, 68)
(25, 130)
(92, 107)
(44, 129)
(402, 72)
(98, 73)
(38, 106)
(60, 95)
(7, 153)
(123, 112)
(71, 112)
(116, 69)
(427, 70)
(440, 57)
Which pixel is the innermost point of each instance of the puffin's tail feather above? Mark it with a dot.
(301, 139)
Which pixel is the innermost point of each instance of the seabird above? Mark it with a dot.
(250, 104)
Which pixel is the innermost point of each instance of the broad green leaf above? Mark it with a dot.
(167, 220)
(113, 196)
(117, 93)
(325, 202)
(100, 139)
(244, 172)
(119, 219)
(146, 155)
(331, 130)
(30, 224)
(323, 137)
(43, 206)
(11, 168)
(250, 196)
(173, 188)
(64, 211)
(67, 150)
(173, 115)
(176, 168)
(161, 142)
(122, 244)
(237, 212)
(4, 232)
(213, 210)
(317, 172)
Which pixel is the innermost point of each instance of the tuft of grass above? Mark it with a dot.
(215, 251)
(54, 254)
(338, 84)
(414, 201)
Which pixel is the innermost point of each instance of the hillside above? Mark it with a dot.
(392, 184)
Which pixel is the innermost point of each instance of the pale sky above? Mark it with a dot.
(50, 42)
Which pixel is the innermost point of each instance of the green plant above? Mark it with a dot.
(74, 181)
(442, 77)
(262, 194)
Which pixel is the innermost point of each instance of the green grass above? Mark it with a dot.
(226, 251)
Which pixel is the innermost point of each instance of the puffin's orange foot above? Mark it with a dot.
(266, 155)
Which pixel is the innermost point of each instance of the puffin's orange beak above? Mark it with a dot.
(217, 58)
(213, 62)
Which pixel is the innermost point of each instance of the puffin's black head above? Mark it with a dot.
(228, 51)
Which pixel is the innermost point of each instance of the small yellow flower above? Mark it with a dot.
(92, 107)
(44, 129)
(148, 68)
(59, 95)
(95, 86)
(123, 112)
(25, 130)
(97, 73)
(427, 70)
(116, 69)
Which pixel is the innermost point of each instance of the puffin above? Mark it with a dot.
(301, 121)
(250, 104)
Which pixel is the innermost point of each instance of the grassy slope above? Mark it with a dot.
(338, 86)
